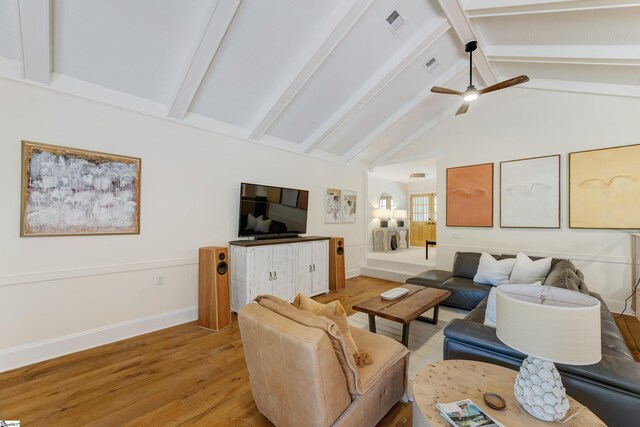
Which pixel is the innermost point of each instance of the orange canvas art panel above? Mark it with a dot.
(470, 196)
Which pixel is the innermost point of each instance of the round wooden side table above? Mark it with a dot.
(455, 380)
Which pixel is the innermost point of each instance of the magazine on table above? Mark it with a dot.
(465, 413)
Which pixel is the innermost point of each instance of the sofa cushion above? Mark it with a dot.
(333, 311)
(527, 270)
(430, 277)
(492, 271)
(465, 293)
(384, 350)
(565, 275)
(465, 264)
(491, 305)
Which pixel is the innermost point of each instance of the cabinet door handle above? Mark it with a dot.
(314, 267)
(270, 276)
(310, 270)
(275, 275)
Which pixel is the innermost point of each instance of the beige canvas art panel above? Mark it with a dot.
(604, 188)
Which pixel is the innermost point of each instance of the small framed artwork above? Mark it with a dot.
(470, 196)
(73, 192)
(348, 207)
(604, 188)
(530, 192)
(333, 206)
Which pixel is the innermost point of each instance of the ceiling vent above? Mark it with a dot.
(431, 65)
(394, 20)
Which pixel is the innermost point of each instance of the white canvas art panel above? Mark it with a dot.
(530, 193)
(69, 191)
(348, 207)
(333, 206)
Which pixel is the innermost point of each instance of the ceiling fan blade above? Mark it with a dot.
(463, 109)
(505, 84)
(437, 89)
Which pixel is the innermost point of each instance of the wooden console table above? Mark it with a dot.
(382, 238)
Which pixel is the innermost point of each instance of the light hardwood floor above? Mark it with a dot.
(180, 375)
(630, 328)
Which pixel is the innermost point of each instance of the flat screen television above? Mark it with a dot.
(267, 211)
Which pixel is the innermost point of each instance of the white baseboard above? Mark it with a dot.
(48, 349)
(352, 273)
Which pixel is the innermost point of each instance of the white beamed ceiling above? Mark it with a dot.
(324, 78)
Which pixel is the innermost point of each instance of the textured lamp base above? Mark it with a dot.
(540, 391)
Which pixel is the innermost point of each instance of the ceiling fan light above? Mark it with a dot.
(470, 96)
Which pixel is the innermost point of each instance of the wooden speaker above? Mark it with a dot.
(337, 280)
(214, 311)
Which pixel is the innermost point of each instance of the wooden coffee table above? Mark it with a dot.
(405, 309)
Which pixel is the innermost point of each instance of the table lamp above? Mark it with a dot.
(399, 215)
(383, 214)
(548, 325)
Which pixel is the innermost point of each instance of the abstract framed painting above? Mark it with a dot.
(349, 206)
(530, 192)
(604, 188)
(72, 192)
(333, 206)
(470, 196)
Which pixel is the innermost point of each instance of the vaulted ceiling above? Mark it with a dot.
(325, 78)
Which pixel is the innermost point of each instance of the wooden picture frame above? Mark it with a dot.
(604, 188)
(530, 193)
(470, 196)
(75, 192)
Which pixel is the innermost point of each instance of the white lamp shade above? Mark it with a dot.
(562, 327)
(400, 214)
(382, 213)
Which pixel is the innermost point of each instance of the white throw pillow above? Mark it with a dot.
(490, 312)
(493, 272)
(263, 225)
(252, 222)
(527, 271)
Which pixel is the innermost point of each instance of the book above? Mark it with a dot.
(465, 413)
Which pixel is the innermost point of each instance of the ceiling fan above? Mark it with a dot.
(471, 94)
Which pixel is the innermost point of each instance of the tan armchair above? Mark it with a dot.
(298, 378)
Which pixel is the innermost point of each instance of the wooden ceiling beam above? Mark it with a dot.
(340, 24)
(211, 34)
(34, 24)
(418, 44)
(492, 8)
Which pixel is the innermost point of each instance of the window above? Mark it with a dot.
(420, 208)
(424, 207)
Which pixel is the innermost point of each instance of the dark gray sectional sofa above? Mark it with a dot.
(610, 388)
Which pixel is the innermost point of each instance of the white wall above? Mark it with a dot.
(60, 294)
(376, 186)
(521, 123)
(427, 185)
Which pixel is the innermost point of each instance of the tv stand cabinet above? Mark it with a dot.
(280, 267)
